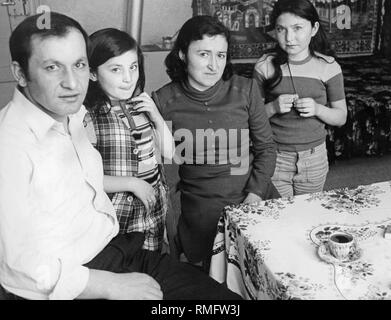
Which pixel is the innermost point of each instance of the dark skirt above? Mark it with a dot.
(205, 191)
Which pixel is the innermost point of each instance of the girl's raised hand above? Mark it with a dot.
(144, 103)
(307, 107)
(284, 102)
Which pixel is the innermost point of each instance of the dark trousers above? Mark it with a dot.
(179, 281)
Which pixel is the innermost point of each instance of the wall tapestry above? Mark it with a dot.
(350, 24)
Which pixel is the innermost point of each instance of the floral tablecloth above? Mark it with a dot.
(270, 250)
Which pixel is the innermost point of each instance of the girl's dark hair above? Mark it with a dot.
(104, 45)
(319, 42)
(194, 29)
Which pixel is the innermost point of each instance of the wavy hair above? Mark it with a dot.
(195, 29)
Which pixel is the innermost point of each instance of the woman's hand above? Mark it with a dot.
(307, 107)
(144, 103)
(145, 192)
(252, 198)
(284, 103)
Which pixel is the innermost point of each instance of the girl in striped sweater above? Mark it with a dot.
(304, 91)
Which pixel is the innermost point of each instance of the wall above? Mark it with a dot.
(92, 14)
(163, 18)
(155, 71)
(5, 71)
(160, 17)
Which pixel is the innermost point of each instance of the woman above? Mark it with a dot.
(225, 143)
(304, 91)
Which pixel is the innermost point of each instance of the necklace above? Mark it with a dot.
(293, 85)
(290, 76)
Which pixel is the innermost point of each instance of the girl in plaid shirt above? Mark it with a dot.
(125, 126)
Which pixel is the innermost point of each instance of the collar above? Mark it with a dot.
(305, 60)
(201, 96)
(105, 108)
(37, 120)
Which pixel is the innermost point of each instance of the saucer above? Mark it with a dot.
(325, 254)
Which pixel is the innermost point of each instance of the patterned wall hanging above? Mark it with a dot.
(351, 25)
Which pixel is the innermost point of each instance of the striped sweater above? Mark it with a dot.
(314, 77)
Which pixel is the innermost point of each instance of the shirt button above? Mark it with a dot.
(129, 198)
(210, 121)
(205, 103)
(208, 109)
(135, 151)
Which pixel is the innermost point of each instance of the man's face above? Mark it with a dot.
(58, 74)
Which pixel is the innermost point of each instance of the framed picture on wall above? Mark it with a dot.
(351, 25)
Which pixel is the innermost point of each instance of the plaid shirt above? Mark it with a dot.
(113, 138)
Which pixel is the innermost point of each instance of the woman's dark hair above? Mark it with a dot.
(21, 37)
(319, 42)
(195, 29)
(104, 45)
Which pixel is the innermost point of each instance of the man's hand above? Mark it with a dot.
(134, 286)
(121, 286)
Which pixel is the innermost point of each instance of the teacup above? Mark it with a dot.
(341, 245)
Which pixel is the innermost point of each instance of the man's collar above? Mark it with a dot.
(37, 120)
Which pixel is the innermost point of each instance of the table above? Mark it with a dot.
(269, 250)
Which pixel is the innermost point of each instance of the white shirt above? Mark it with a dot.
(54, 214)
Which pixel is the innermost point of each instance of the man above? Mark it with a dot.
(57, 226)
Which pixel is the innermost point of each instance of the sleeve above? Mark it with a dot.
(28, 268)
(263, 146)
(334, 82)
(155, 98)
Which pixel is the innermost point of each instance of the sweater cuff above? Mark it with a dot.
(258, 185)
